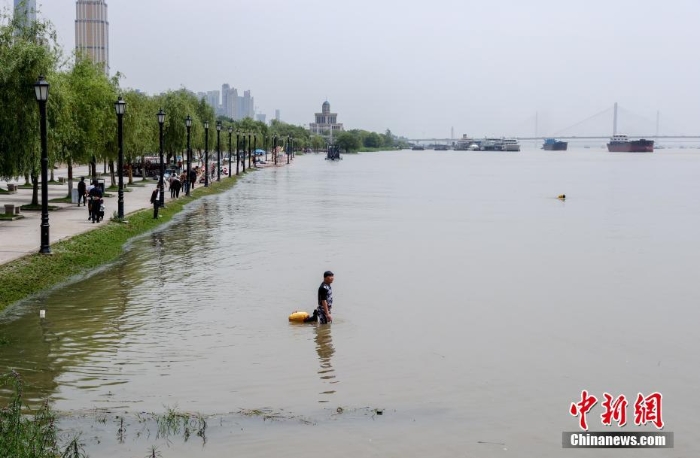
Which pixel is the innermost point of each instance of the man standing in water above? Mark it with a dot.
(322, 314)
(325, 299)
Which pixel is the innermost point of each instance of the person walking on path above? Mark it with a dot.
(95, 202)
(82, 191)
(325, 299)
(193, 177)
(175, 188)
(155, 200)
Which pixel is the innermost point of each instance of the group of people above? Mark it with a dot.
(91, 195)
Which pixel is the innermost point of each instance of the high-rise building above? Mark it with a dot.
(25, 10)
(213, 99)
(225, 90)
(92, 31)
(277, 115)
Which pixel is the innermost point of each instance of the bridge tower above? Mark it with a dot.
(615, 120)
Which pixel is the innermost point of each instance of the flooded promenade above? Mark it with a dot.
(471, 308)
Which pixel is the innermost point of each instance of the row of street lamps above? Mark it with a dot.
(41, 89)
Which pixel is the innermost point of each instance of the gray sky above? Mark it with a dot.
(420, 67)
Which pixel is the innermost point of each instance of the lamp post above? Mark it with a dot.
(161, 182)
(274, 148)
(230, 151)
(238, 150)
(266, 140)
(249, 144)
(188, 124)
(255, 147)
(120, 108)
(206, 154)
(41, 90)
(289, 141)
(218, 151)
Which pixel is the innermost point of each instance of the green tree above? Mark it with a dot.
(373, 140)
(348, 142)
(26, 51)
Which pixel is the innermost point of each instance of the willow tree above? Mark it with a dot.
(93, 95)
(140, 130)
(27, 50)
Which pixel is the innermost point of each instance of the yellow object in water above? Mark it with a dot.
(562, 197)
(298, 317)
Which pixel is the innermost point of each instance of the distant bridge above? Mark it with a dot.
(597, 137)
(564, 134)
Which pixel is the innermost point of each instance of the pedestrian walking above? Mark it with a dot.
(82, 191)
(155, 200)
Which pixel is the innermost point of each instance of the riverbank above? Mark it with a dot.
(78, 254)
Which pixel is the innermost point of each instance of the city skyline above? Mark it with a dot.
(425, 68)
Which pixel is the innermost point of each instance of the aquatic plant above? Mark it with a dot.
(25, 433)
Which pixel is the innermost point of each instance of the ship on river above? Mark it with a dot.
(551, 144)
(622, 144)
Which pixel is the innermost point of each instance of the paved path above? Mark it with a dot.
(23, 236)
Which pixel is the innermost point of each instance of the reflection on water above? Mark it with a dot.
(325, 350)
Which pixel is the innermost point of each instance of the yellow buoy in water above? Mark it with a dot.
(298, 317)
(562, 197)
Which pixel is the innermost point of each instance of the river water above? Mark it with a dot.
(471, 308)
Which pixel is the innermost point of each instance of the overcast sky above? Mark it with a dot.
(484, 67)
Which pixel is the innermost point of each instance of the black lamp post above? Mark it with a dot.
(266, 140)
(289, 141)
(218, 151)
(188, 124)
(161, 182)
(238, 150)
(230, 151)
(41, 90)
(274, 148)
(120, 108)
(255, 147)
(206, 154)
(249, 155)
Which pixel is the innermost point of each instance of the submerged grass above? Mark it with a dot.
(25, 435)
(31, 274)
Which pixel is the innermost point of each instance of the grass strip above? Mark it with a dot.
(33, 273)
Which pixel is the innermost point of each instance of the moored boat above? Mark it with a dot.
(622, 144)
(510, 144)
(551, 144)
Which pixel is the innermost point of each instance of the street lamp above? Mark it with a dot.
(230, 151)
(289, 141)
(274, 148)
(188, 124)
(255, 147)
(206, 154)
(249, 155)
(120, 108)
(161, 183)
(218, 151)
(41, 90)
(238, 151)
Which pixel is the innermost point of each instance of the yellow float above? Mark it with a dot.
(298, 317)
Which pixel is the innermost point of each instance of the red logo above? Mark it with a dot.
(581, 408)
(646, 409)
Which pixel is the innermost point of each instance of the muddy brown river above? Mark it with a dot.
(471, 309)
